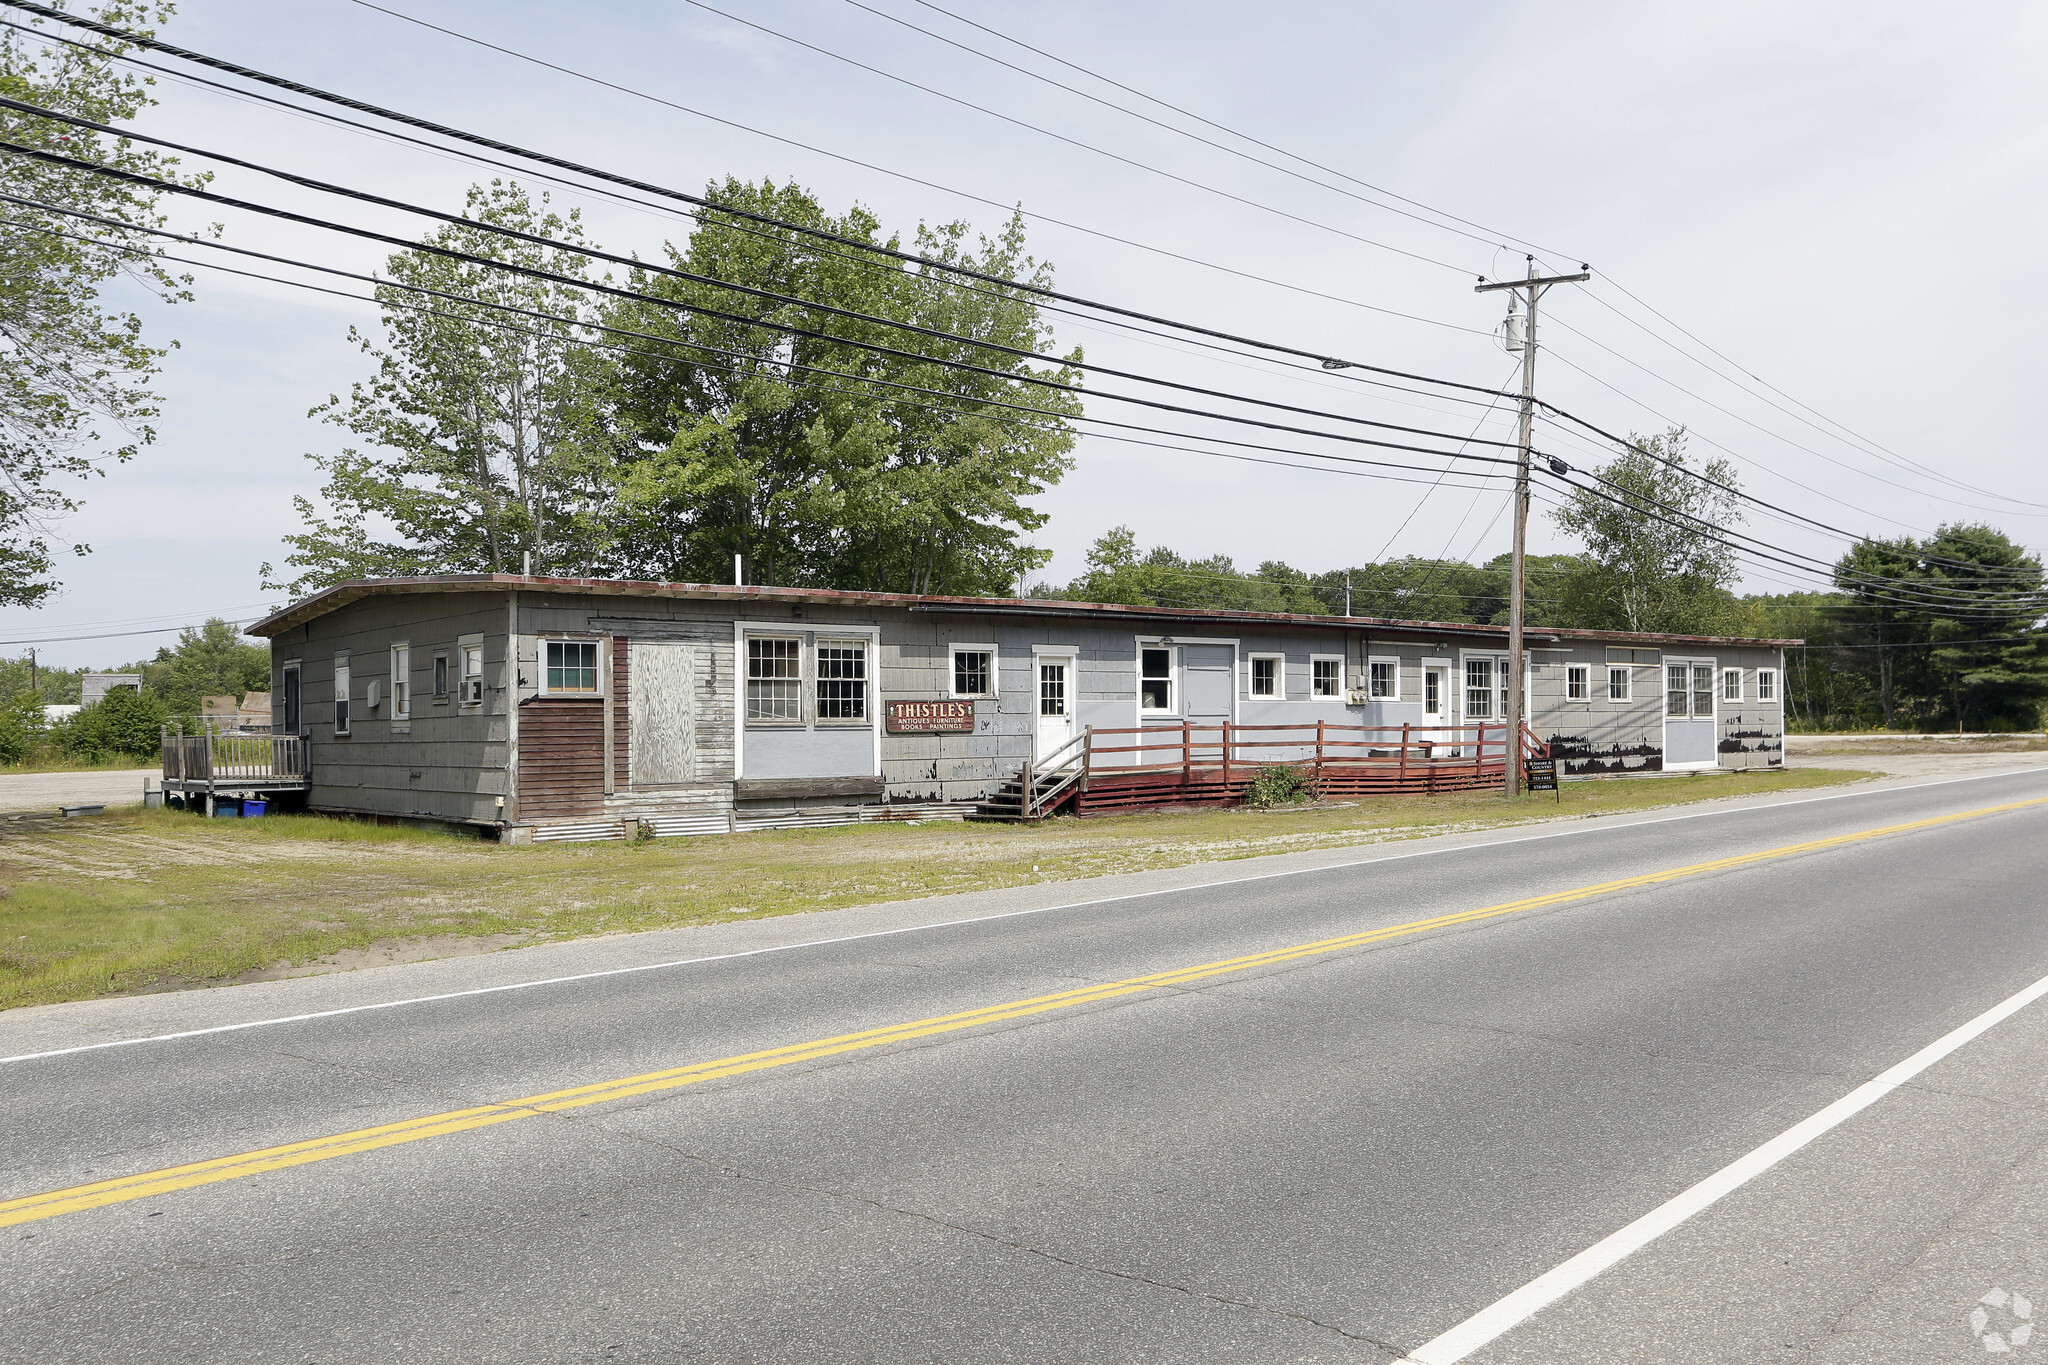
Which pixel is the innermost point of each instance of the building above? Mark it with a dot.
(93, 687)
(539, 707)
(225, 715)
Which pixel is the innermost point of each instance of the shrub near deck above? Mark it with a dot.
(157, 900)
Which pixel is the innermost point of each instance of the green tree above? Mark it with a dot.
(210, 661)
(21, 725)
(126, 721)
(54, 685)
(1118, 572)
(740, 438)
(483, 429)
(70, 365)
(1655, 556)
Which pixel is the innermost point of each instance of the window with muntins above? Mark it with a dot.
(1731, 684)
(1702, 690)
(1326, 677)
(842, 680)
(571, 666)
(774, 679)
(1617, 684)
(1155, 680)
(1576, 681)
(1383, 679)
(1675, 690)
(973, 673)
(1265, 677)
(1052, 689)
(1478, 689)
(472, 675)
(1767, 684)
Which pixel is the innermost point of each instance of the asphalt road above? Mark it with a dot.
(1332, 1156)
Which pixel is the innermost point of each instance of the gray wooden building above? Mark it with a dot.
(551, 708)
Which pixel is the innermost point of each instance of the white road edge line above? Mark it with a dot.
(1532, 1298)
(976, 919)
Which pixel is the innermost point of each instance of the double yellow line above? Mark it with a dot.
(152, 1183)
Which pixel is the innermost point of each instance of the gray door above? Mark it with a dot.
(1208, 674)
(662, 722)
(1691, 737)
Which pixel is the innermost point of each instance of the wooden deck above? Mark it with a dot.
(203, 767)
(1117, 770)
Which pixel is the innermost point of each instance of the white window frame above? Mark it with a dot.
(1251, 663)
(866, 646)
(1393, 664)
(595, 692)
(747, 678)
(291, 700)
(1172, 707)
(1336, 692)
(1767, 685)
(401, 683)
(470, 683)
(343, 709)
(1736, 675)
(953, 672)
(1578, 676)
(1628, 683)
(1465, 689)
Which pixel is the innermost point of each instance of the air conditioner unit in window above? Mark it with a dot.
(472, 691)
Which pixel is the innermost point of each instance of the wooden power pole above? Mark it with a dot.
(1528, 290)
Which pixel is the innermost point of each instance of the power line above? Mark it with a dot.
(1017, 376)
(474, 139)
(1045, 132)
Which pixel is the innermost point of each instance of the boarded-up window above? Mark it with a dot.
(661, 713)
(774, 679)
(842, 680)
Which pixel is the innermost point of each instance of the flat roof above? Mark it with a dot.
(341, 594)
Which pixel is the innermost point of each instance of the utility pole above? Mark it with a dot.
(1528, 290)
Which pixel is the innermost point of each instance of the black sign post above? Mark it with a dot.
(1541, 776)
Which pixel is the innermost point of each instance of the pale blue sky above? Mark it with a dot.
(1845, 199)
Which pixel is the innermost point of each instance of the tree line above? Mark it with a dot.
(1941, 633)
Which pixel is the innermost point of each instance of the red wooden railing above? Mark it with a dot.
(1213, 764)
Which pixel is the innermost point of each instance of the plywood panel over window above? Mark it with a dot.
(662, 725)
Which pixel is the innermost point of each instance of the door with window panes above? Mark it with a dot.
(1057, 722)
(1691, 733)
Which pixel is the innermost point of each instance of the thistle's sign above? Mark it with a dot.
(931, 718)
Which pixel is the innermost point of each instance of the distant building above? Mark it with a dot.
(96, 685)
(58, 712)
(223, 713)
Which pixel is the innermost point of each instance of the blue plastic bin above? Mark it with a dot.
(251, 809)
(227, 810)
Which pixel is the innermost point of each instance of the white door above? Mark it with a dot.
(1691, 734)
(1436, 687)
(1056, 722)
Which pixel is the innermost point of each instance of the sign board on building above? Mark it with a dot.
(931, 718)
(1541, 774)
